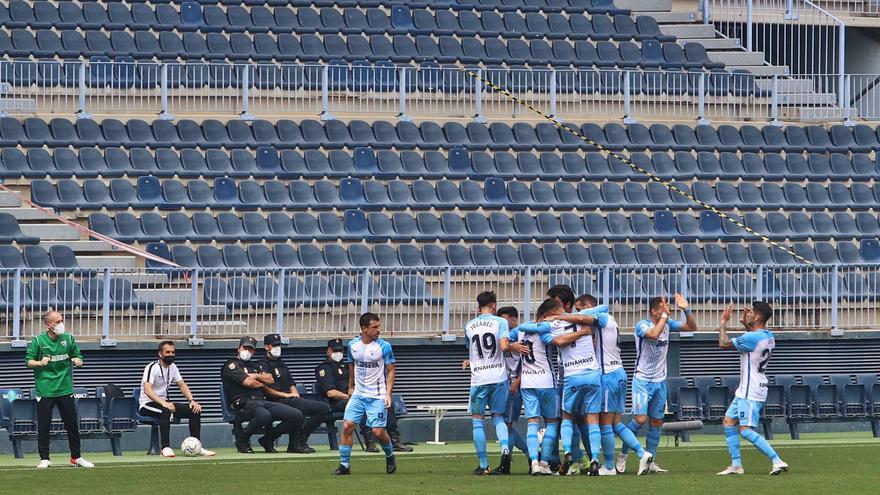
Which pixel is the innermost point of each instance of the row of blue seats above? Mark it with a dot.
(336, 134)
(800, 398)
(400, 48)
(69, 294)
(261, 256)
(11, 232)
(37, 258)
(327, 20)
(496, 227)
(492, 194)
(315, 290)
(456, 163)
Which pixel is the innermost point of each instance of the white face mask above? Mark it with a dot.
(275, 352)
(336, 356)
(59, 329)
(245, 355)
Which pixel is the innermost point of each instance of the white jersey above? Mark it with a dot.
(537, 370)
(369, 366)
(578, 357)
(651, 353)
(755, 349)
(512, 362)
(608, 346)
(487, 363)
(160, 378)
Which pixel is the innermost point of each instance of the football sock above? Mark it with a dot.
(761, 444)
(480, 442)
(501, 434)
(629, 440)
(731, 435)
(634, 427)
(565, 434)
(549, 446)
(388, 448)
(607, 446)
(345, 455)
(653, 440)
(532, 440)
(595, 441)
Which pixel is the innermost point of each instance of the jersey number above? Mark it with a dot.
(530, 357)
(765, 357)
(487, 344)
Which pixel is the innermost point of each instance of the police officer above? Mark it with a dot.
(331, 377)
(283, 390)
(244, 385)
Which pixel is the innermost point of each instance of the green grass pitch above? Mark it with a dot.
(820, 463)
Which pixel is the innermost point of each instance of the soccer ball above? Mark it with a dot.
(191, 447)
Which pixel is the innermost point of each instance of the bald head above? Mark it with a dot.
(51, 318)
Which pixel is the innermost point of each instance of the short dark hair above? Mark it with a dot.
(508, 311)
(547, 306)
(164, 343)
(486, 298)
(588, 298)
(763, 309)
(563, 292)
(367, 318)
(655, 302)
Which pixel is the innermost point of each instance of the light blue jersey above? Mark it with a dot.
(651, 353)
(369, 366)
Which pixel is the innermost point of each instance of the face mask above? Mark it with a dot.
(275, 352)
(245, 355)
(59, 329)
(336, 356)
(168, 360)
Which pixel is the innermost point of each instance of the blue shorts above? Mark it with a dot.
(541, 402)
(614, 391)
(514, 407)
(359, 406)
(582, 393)
(494, 395)
(649, 398)
(747, 412)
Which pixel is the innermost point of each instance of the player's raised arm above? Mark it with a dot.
(566, 339)
(724, 341)
(690, 323)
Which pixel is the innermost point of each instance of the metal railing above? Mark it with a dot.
(113, 304)
(850, 7)
(389, 91)
(797, 34)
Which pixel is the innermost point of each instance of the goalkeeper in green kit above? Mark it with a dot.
(52, 355)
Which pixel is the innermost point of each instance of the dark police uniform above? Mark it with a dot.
(317, 412)
(250, 404)
(330, 375)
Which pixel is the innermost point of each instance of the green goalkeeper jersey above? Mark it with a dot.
(55, 379)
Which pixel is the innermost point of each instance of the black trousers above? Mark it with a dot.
(316, 411)
(67, 408)
(390, 424)
(260, 414)
(181, 410)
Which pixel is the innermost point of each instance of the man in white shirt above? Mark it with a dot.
(157, 379)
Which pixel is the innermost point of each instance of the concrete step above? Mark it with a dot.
(79, 246)
(145, 279)
(166, 296)
(645, 5)
(674, 17)
(799, 99)
(737, 57)
(222, 327)
(717, 43)
(56, 231)
(184, 310)
(107, 261)
(7, 199)
(822, 114)
(762, 70)
(786, 85)
(25, 213)
(689, 31)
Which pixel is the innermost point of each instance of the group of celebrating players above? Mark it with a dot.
(511, 367)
